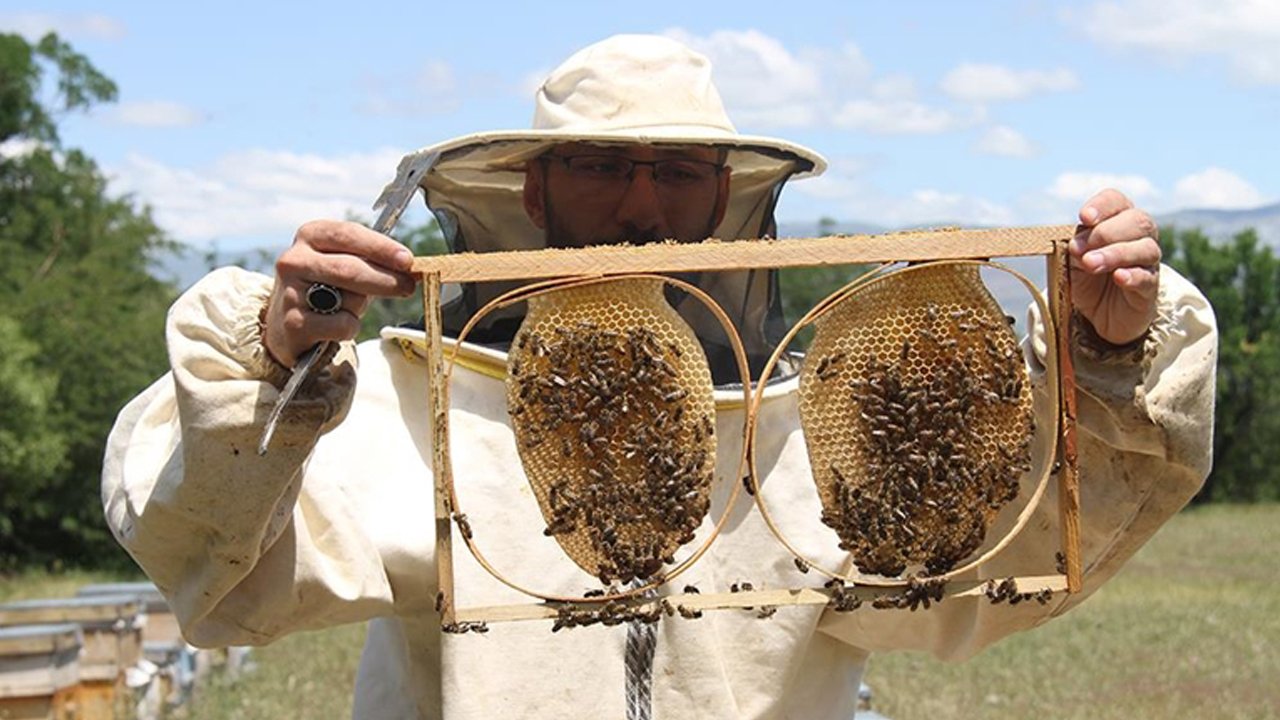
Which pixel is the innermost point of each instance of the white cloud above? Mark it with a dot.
(848, 193)
(894, 87)
(1062, 199)
(1215, 187)
(436, 77)
(433, 88)
(841, 71)
(33, 25)
(155, 114)
(1244, 32)
(1005, 141)
(260, 194)
(755, 73)
(1079, 186)
(895, 117)
(936, 206)
(976, 82)
(766, 85)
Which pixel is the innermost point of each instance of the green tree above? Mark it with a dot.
(83, 324)
(804, 287)
(1241, 279)
(32, 451)
(424, 239)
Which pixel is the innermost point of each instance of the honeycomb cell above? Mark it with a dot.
(610, 397)
(918, 416)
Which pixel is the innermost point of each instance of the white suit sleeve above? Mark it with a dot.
(1145, 440)
(243, 549)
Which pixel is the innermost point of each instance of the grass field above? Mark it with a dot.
(1190, 628)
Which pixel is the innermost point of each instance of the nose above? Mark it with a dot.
(640, 208)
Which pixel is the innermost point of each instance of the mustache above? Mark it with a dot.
(635, 238)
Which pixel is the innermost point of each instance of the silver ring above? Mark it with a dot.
(324, 299)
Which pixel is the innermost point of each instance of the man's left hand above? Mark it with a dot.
(1115, 267)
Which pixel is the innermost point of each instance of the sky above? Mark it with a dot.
(237, 122)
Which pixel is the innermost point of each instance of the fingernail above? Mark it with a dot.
(404, 257)
(1090, 214)
(1095, 261)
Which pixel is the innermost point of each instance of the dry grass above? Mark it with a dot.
(303, 676)
(1191, 627)
(35, 584)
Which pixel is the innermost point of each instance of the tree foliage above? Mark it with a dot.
(83, 318)
(1241, 279)
(424, 239)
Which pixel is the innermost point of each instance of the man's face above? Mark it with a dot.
(583, 194)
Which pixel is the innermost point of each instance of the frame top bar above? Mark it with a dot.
(710, 255)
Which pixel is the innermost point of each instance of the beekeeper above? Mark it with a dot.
(630, 143)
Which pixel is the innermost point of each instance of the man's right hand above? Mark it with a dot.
(358, 261)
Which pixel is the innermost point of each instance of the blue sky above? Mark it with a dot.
(237, 122)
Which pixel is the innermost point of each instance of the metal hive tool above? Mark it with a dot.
(610, 397)
(918, 416)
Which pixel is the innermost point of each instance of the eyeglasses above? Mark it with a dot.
(616, 169)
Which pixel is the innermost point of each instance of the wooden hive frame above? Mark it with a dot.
(1049, 242)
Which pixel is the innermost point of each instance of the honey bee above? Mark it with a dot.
(464, 526)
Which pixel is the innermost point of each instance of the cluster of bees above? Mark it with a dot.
(462, 628)
(1007, 589)
(614, 612)
(919, 593)
(921, 491)
(620, 459)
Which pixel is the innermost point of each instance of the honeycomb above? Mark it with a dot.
(610, 397)
(917, 413)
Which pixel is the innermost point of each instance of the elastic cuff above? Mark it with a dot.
(1090, 345)
(260, 362)
(1087, 343)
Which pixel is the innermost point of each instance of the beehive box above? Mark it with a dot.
(111, 627)
(161, 625)
(39, 671)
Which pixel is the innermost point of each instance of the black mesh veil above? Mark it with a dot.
(475, 194)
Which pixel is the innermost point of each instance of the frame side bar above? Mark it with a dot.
(438, 426)
(1069, 478)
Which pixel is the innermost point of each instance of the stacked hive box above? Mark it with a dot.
(162, 642)
(39, 671)
(111, 628)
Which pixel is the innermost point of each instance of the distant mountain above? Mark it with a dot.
(185, 265)
(816, 229)
(1221, 225)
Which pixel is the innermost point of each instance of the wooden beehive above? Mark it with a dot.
(161, 626)
(111, 627)
(593, 264)
(39, 671)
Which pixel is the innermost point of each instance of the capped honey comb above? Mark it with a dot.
(918, 416)
(610, 397)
